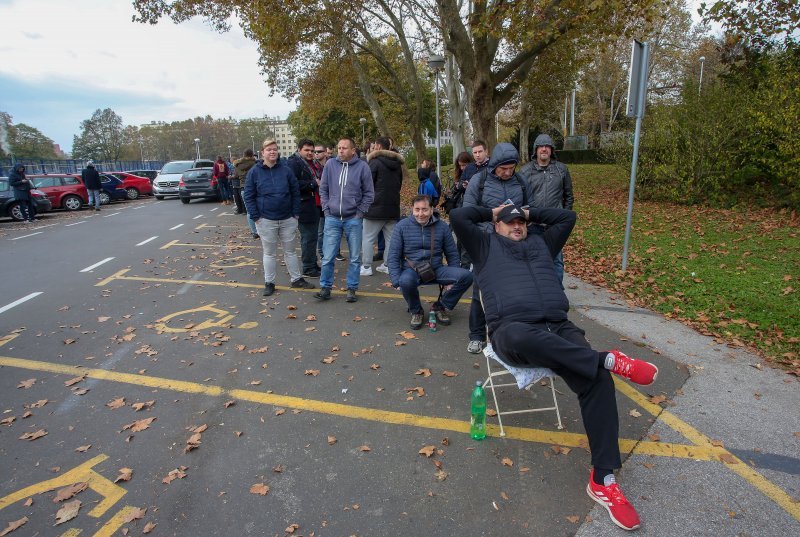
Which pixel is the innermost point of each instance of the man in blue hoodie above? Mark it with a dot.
(272, 198)
(346, 191)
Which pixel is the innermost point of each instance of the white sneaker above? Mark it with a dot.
(366, 271)
(382, 268)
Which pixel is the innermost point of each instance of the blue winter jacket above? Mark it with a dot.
(412, 241)
(271, 193)
(346, 189)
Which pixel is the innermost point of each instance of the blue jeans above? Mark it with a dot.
(252, 224)
(460, 279)
(225, 191)
(334, 229)
(94, 198)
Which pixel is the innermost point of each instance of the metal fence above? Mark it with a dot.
(75, 166)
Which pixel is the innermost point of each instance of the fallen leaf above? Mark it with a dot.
(364, 448)
(407, 335)
(116, 403)
(139, 425)
(255, 382)
(328, 359)
(345, 333)
(103, 319)
(357, 319)
(134, 514)
(441, 475)
(491, 412)
(449, 374)
(291, 307)
(374, 367)
(33, 436)
(71, 382)
(25, 384)
(229, 403)
(574, 519)
(28, 502)
(504, 496)
(507, 462)
(399, 343)
(69, 341)
(311, 318)
(150, 526)
(418, 390)
(38, 404)
(280, 412)
(428, 451)
(68, 512)
(141, 406)
(125, 474)
(80, 391)
(312, 372)
(193, 442)
(68, 492)
(14, 525)
(278, 469)
(259, 488)
(83, 449)
(635, 413)
(658, 399)
(292, 528)
(177, 473)
(7, 421)
(728, 458)
(331, 440)
(424, 372)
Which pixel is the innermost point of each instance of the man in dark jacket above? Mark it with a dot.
(551, 184)
(386, 168)
(491, 187)
(243, 166)
(272, 196)
(346, 191)
(22, 192)
(302, 164)
(526, 311)
(91, 180)
(424, 237)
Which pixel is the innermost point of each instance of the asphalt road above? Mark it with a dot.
(307, 413)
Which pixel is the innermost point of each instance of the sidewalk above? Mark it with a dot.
(727, 402)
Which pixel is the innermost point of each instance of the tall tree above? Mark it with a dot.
(759, 22)
(100, 137)
(29, 142)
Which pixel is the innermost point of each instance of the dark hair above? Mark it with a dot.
(422, 197)
(350, 140)
(302, 142)
(219, 157)
(463, 158)
(481, 143)
(384, 142)
(431, 164)
(248, 152)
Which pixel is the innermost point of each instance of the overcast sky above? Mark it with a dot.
(62, 60)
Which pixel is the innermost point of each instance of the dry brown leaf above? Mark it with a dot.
(73, 381)
(441, 475)
(103, 319)
(345, 333)
(424, 372)
(312, 372)
(291, 316)
(449, 373)
(311, 317)
(364, 448)
(134, 514)
(331, 440)
(33, 436)
(658, 399)
(14, 525)
(150, 526)
(357, 319)
(491, 412)
(229, 403)
(504, 496)
(407, 335)
(80, 391)
(38, 404)
(143, 406)
(177, 473)
(139, 425)
(399, 343)
(328, 359)
(278, 469)
(375, 367)
(727, 458)
(83, 449)
(259, 488)
(418, 390)
(635, 413)
(125, 474)
(311, 329)
(68, 512)
(507, 462)
(292, 528)
(193, 442)
(116, 403)
(428, 451)
(69, 341)
(68, 492)
(7, 421)
(574, 519)
(255, 383)
(25, 384)
(291, 307)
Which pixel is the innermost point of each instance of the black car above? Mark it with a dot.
(10, 207)
(198, 183)
(150, 174)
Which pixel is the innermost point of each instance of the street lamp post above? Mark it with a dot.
(436, 64)
(141, 149)
(253, 141)
(363, 122)
(702, 64)
(197, 147)
(230, 156)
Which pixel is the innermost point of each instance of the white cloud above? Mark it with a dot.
(97, 46)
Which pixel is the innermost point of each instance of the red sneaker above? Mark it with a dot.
(619, 508)
(637, 371)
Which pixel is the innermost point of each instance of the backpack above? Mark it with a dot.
(482, 183)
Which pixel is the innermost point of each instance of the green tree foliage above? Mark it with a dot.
(23, 141)
(759, 23)
(100, 137)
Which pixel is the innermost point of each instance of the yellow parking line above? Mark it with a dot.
(170, 244)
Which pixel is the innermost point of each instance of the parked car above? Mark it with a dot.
(150, 174)
(166, 183)
(135, 185)
(65, 191)
(10, 207)
(198, 183)
(113, 189)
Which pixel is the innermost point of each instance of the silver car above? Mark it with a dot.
(166, 182)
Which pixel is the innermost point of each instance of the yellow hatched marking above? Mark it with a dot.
(116, 522)
(72, 532)
(7, 339)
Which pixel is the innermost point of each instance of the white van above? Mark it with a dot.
(166, 182)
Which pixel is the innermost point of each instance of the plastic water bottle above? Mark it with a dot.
(477, 422)
(432, 321)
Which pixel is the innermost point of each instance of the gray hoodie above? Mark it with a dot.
(346, 189)
(495, 190)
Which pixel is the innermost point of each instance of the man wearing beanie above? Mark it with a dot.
(526, 312)
(91, 180)
(496, 184)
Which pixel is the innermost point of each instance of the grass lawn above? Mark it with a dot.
(732, 274)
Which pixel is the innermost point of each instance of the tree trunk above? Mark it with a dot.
(524, 129)
(482, 110)
(457, 114)
(366, 92)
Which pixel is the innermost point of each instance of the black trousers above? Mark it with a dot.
(563, 348)
(237, 198)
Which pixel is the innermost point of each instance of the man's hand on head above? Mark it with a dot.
(496, 211)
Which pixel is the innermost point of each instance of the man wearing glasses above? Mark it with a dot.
(272, 197)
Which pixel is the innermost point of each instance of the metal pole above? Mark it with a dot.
(438, 154)
(572, 116)
(566, 108)
(634, 164)
(700, 84)
(230, 156)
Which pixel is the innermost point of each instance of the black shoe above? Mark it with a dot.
(312, 273)
(269, 288)
(300, 283)
(416, 321)
(323, 294)
(351, 296)
(256, 236)
(339, 257)
(377, 257)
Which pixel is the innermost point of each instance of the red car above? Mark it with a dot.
(65, 191)
(135, 185)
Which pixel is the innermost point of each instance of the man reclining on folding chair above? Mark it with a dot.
(526, 314)
(418, 245)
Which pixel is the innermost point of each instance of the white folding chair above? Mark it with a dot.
(525, 377)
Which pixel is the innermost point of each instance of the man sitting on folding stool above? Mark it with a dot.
(526, 314)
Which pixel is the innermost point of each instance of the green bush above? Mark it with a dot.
(445, 154)
(579, 156)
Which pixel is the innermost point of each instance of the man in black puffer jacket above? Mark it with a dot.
(387, 176)
(303, 166)
(526, 314)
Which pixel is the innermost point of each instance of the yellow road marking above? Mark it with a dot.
(230, 246)
(72, 532)
(116, 522)
(110, 492)
(201, 226)
(363, 413)
(121, 276)
(732, 462)
(7, 339)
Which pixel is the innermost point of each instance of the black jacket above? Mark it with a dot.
(91, 179)
(387, 177)
(516, 278)
(19, 183)
(308, 185)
